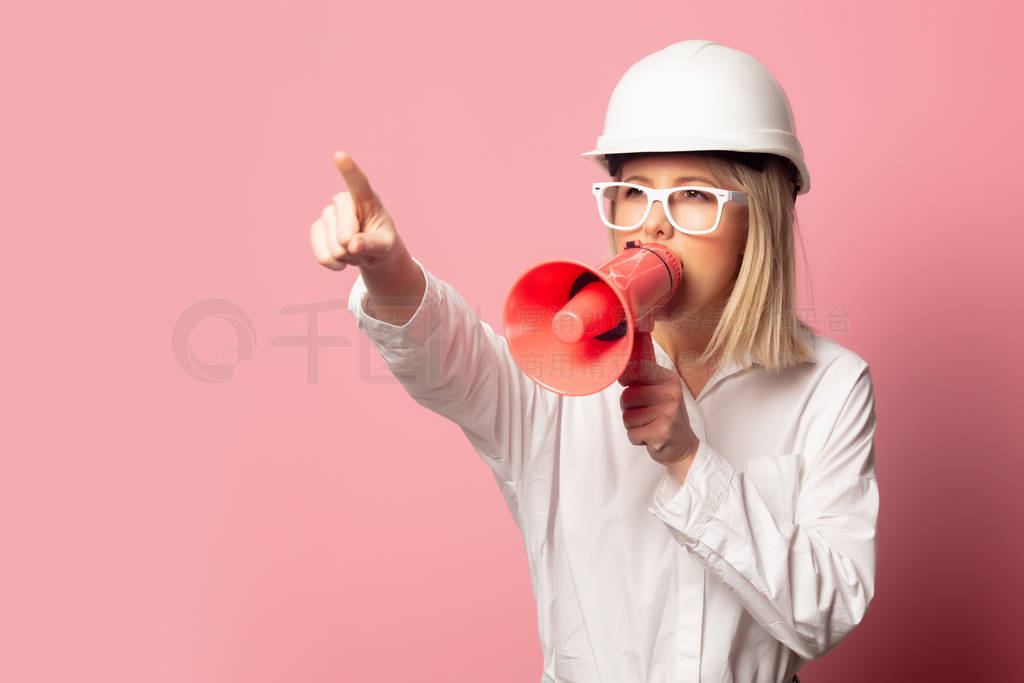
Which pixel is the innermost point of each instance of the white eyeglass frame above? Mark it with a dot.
(654, 194)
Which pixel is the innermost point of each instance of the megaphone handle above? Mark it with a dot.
(643, 347)
(641, 359)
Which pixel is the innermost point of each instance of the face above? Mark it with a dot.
(710, 261)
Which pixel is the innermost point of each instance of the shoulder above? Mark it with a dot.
(827, 352)
(828, 357)
(832, 369)
(837, 367)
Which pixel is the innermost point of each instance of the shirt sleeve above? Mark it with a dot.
(452, 363)
(806, 577)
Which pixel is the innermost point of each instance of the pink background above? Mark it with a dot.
(160, 528)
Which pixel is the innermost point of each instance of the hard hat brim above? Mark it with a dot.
(783, 146)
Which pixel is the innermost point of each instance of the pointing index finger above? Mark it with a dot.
(358, 185)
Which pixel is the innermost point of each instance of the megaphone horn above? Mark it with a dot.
(572, 328)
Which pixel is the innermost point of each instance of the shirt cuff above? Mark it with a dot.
(400, 345)
(688, 507)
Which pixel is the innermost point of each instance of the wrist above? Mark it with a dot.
(390, 274)
(393, 280)
(690, 453)
(395, 289)
(680, 467)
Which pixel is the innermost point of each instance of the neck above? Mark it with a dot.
(685, 334)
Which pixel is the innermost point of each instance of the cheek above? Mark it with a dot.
(708, 257)
(708, 266)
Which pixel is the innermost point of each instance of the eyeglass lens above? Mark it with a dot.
(624, 206)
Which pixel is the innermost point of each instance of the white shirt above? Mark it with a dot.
(763, 559)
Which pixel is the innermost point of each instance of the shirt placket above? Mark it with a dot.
(691, 616)
(691, 574)
(691, 578)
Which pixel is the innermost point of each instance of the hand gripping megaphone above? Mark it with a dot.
(573, 328)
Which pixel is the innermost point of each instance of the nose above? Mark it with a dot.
(656, 225)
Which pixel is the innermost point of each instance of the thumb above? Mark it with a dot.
(376, 243)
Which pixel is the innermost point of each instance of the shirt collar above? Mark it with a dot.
(732, 367)
(804, 333)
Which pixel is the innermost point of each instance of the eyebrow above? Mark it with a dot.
(677, 180)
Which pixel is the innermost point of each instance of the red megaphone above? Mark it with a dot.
(573, 328)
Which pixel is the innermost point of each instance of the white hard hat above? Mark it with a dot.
(698, 95)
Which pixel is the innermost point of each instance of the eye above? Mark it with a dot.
(694, 196)
(632, 192)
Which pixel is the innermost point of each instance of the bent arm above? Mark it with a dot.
(807, 579)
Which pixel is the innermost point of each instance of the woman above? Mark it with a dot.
(714, 520)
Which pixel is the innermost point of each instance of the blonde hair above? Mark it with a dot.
(759, 322)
